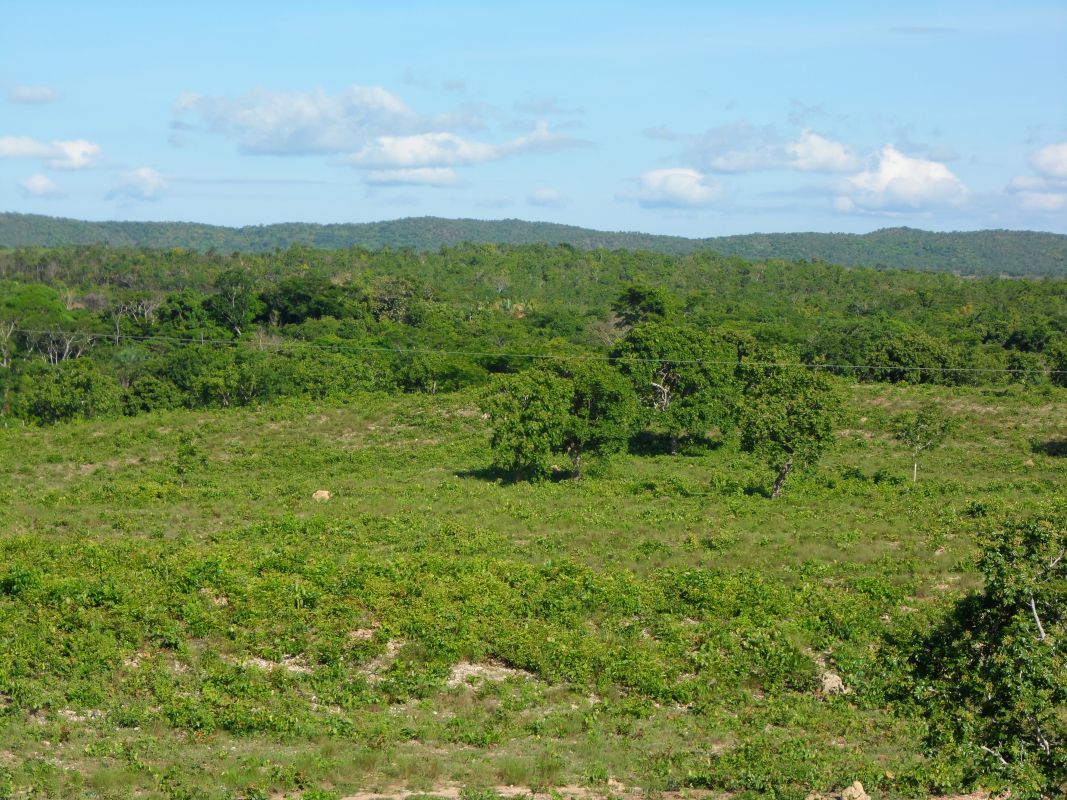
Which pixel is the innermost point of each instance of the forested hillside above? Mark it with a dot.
(998, 252)
(154, 329)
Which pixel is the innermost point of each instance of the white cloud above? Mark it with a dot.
(69, 154)
(1051, 161)
(815, 153)
(897, 182)
(419, 176)
(39, 186)
(677, 187)
(1033, 193)
(744, 147)
(366, 127)
(32, 95)
(448, 149)
(143, 183)
(738, 147)
(1042, 201)
(300, 123)
(547, 198)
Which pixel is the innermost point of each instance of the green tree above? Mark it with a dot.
(235, 304)
(603, 411)
(682, 377)
(73, 389)
(529, 413)
(990, 678)
(1057, 362)
(922, 430)
(787, 413)
(640, 302)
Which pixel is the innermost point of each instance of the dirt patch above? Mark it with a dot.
(70, 715)
(614, 788)
(293, 664)
(467, 673)
(214, 597)
(374, 668)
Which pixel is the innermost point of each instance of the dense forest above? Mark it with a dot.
(139, 329)
(996, 252)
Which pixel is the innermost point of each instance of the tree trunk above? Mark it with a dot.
(576, 465)
(915, 470)
(674, 444)
(783, 473)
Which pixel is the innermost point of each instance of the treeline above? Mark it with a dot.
(990, 252)
(96, 331)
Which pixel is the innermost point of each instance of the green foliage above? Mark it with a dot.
(529, 413)
(991, 676)
(993, 252)
(787, 413)
(234, 304)
(642, 303)
(73, 389)
(682, 377)
(922, 430)
(603, 412)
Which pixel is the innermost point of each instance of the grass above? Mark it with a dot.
(180, 619)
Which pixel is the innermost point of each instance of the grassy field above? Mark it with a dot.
(179, 618)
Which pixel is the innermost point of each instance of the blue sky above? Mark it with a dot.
(686, 118)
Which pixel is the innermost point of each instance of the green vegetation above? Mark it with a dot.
(994, 252)
(180, 618)
(920, 431)
(309, 522)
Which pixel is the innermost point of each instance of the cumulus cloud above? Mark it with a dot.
(39, 186)
(547, 198)
(815, 153)
(442, 149)
(744, 147)
(896, 182)
(143, 183)
(677, 187)
(1051, 161)
(367, 127)
(32, 95)
(281, 123)
(68, 154)
(418, 176)
(1045, 192)
(738, 147)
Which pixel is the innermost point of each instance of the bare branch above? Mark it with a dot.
(1037, 619)
(993, 752)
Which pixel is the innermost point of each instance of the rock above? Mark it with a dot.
(832, 684)
(855, 792)
(321, 496)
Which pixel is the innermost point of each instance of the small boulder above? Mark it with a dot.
(321, 496)
(832, 684)
(855, 792)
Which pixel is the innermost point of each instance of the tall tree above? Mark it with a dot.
(528, 412)
(682, 377)
(603, 411)
(787, 413)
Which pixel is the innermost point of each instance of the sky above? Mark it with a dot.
(687, 118)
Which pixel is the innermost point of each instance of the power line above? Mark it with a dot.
(346, 346)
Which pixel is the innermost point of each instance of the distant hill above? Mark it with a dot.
(993, 252)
